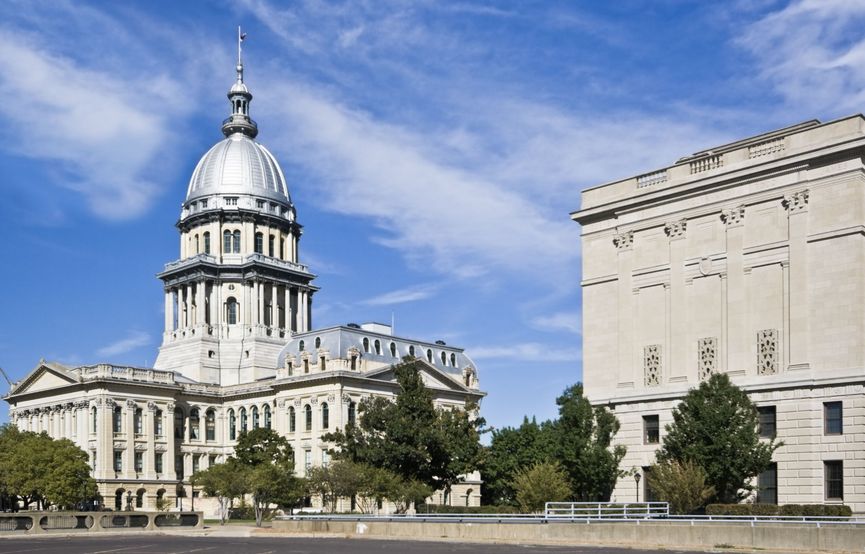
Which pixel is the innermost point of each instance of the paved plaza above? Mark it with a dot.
(163, 544)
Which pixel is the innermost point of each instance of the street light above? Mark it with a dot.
(637, 477)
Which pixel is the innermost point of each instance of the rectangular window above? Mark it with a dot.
(157, 423)
(766, 428)
(259, 243)
(157, 462)
(118, 460)
(207, 243)
(832, 418)
(117, 420)
(833, 472)
(231, 201)
(139, 462)
(651, 430)
(211, 460)
(649, 494)
(196, 462)
(259, 204)
(271, 245)
(204, 203)
(307, 460)
(767, 485)
(325, 458)
(178, 465)
(139, 421)
(93, 460)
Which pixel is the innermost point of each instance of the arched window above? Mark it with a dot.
(235, 242)
(207, 242)
(352, 412)
(429, 356)
(393, 349)
(231, 308)
(292, 420)
(157, 423)
(468, 379)
(232, 425)
(366, 345)
(301, 346)
(271, 245)
(138, 421)
(307, 413)
(255, 417)
(210, 425)
(179, 424)
(267, 423)
(411, 351)
(318, 342)
(243, 422)
(117, 420)
(139, 498)
(259, 243)
(377, 345)
(353, 361)
(444, 358)
(94, 418)
(118, 500)
(226, 242)
(194, 422)
(325, 416)
(453, 360)
(197, 245)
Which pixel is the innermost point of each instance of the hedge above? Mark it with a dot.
(798, 510)
(491, 509)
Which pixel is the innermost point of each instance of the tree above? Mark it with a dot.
(409, 437)
(583, 438)
(543, 482)
(715, 427)
(340, 479)
(225, 482)
(510, 450)
(265, 460)
(682, 484)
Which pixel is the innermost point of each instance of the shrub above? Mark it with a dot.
(682, 484)
(764, 509)
(488, 509)
(792, 510)
(728, 510)
(541, 483)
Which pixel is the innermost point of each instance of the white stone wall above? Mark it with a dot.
(746, 260)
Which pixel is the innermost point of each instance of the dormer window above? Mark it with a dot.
(377, 347)
(300, 346)
(429, 355)
(454, 360)
(318, 342)
(366, 345)
(444, 358)
(393, 349)
(411, 351)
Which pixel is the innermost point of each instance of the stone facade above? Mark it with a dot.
(745, 259)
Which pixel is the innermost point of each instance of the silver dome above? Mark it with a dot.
(238, 165)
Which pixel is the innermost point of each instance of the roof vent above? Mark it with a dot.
(441, 342)
(353, 325)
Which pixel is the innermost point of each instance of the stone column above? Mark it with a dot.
(628, 375)
(259, 316)
(171, 448)
(150, 433)
(286, 312)
(169, 311)
(129, 455)
(737, 295)
(200, 317)
(798, 298)
(677, 309)
(104, 441)
(253, 302)
(274, 299)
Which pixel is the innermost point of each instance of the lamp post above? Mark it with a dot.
(637, 477)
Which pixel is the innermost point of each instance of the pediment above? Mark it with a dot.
(432, 377)
(46, 376)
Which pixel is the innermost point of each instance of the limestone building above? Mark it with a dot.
(747, 259)
(238, 350)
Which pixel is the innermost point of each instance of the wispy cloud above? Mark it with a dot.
(562, 321)
(529, 351)
(402, 296)
(133, 340)
(812, 53)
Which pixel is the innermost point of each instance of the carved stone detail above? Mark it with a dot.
(346, 399)
(141, 447)
(624, 240)
(676, 229)
(131, 404)
(652, 364)
(767, 351)
(708, 355)
(796, 202)
(152, 406)
(161, 448)
(331, 398)
(297, 402)
(170, 407)
(314, 401)
(119, 446)
(734, 216)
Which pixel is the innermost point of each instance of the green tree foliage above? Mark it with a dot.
(583, 437)
(715, 426)
(409, 437)
(36, 468)
(543, 482)
(510, 450)
(682, 484)
(225, 482)
(263, 446)
(340, 479)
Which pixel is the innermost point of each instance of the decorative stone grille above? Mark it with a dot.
(652, 364)
(708, 353)
(767, 351)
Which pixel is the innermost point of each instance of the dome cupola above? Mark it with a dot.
(240, 97)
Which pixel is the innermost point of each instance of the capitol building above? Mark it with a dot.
(238, 351)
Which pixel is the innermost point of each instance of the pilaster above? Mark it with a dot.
(624, 243)
(677, 306)
(798, 299)
(736, 293)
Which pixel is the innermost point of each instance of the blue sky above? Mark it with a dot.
(433, 151)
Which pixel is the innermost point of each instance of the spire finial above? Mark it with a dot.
(240, 37)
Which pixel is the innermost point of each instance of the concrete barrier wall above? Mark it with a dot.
(27, 523)
(779, 536)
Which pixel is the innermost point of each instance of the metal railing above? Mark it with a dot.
(606, 510)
